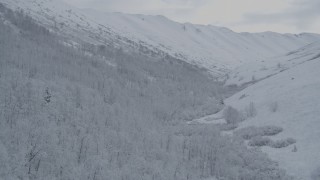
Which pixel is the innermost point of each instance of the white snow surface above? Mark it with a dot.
(263, 68)
(291, 80)
(296, 91)
(216, 49)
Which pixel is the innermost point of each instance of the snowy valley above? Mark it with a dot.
(93, 95)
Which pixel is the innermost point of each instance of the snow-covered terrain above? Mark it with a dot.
(287, 97)
(260, 69)
(278, 71)
(106, 113)
(212, 47)
(216, 49)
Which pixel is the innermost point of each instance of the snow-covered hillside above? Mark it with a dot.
(252, 72)
(209, 45)
(66, 113)
(214, 48)
(110, 110)
(286, 97)
(296, 92)
(117, 91)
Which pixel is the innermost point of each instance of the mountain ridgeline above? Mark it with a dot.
(215, 49)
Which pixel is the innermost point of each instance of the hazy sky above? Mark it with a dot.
(292, 16)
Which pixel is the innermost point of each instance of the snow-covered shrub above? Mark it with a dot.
(283, 143)
(242, 96)
(232, 115)
(231, 89)
(227, 127)
(253, 79)
(251, 110)
(223, 160)
(259, 141)
(280, 66)
(253, 131)
(248, 132)
(295, 149)
(270, 130)
(273, 106)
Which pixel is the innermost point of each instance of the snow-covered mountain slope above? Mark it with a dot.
(296, 92)
(288, 99)
(260, 69)
(209, 45)
(214, 48)
(112, 115)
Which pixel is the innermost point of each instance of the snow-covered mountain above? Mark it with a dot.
(216, 49)
(210, 46)
(109, 114)
(279, 70)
